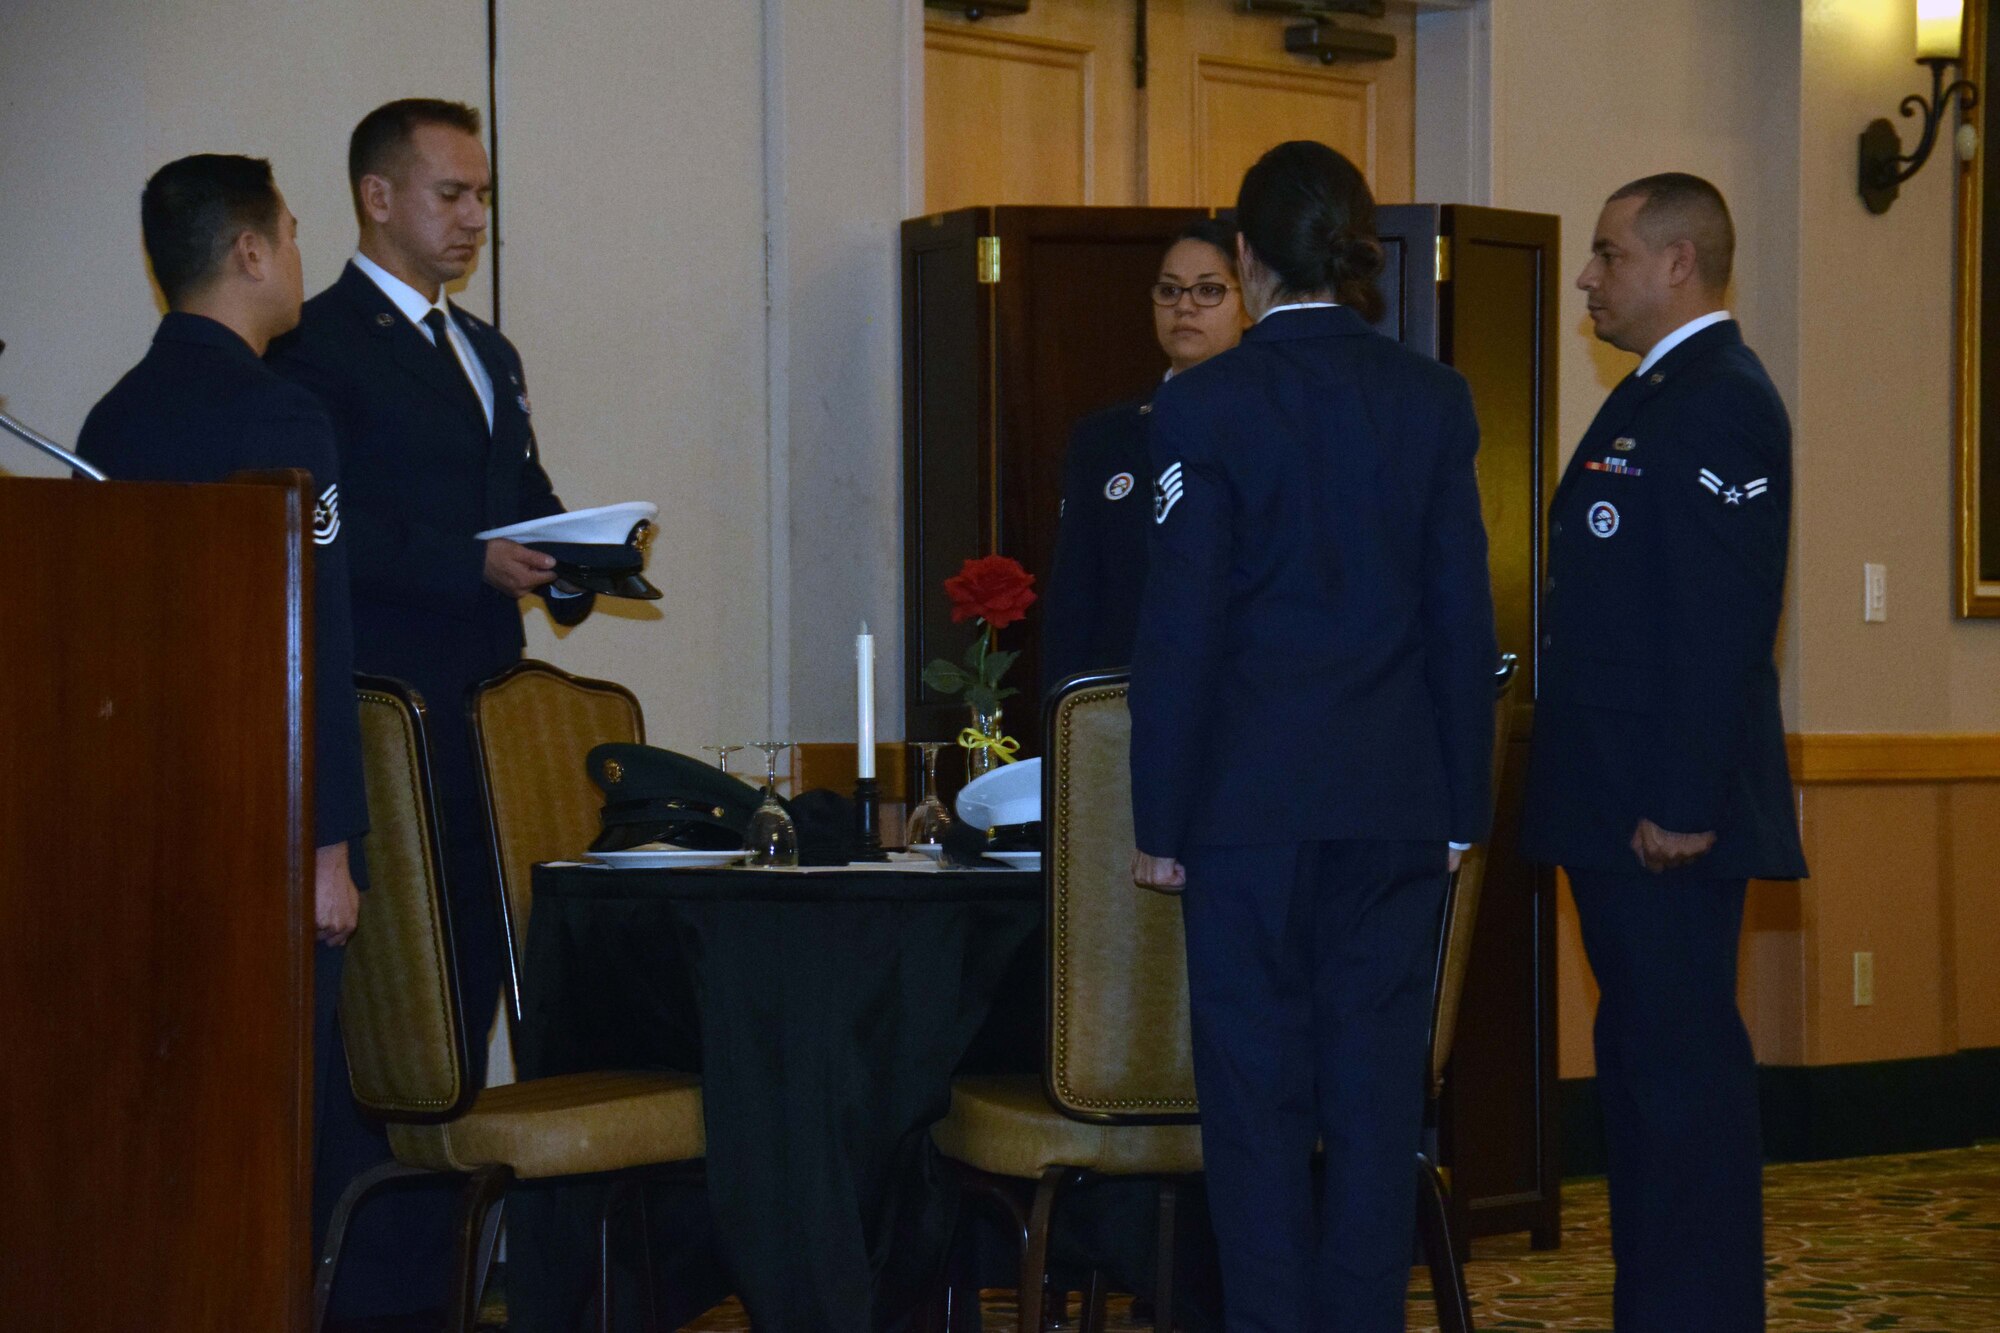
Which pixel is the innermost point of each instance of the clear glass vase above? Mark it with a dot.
(980, 757)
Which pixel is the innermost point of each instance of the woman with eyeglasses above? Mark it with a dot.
(1312, 727)
(1092, 600)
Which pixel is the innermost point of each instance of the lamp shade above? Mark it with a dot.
(1940, 24)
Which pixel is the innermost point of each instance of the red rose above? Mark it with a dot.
(993, 588)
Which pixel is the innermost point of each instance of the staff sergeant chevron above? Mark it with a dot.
(1166, 493)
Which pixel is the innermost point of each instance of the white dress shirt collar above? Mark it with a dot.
(406, 298)
(1297, 305)
(1679, 336)
(414, 307)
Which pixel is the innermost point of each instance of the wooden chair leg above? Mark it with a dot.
(479, 1228)
(336, 1232)
(1441, 1252)
(1163, 1259)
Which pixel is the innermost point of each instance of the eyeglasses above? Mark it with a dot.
(1204, 293)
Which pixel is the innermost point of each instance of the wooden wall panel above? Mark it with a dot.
(1903, 837)
(1048, 107)
(1241, 108)
(1973, 859)
(1007, 120)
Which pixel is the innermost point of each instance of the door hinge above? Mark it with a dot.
(1444, 259)
(989, 259)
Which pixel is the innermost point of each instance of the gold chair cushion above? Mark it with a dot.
(565, 1126)
(1005, 1125)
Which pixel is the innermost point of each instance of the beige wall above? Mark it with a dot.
(698, 205)
(99, 93)
(1852, 313)
(631, 178)
(1874, 419)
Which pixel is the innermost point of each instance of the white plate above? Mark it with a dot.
(1019, 860)
(680, 859)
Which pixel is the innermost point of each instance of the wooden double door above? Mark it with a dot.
(1017, 321)
(1164, 102)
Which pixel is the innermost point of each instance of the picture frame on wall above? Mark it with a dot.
(1977, 511)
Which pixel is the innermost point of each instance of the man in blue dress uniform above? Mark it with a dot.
(430, 408)
(200, 406)
(1658, 777)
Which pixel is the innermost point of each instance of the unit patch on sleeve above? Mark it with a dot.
(326, 516)
(1603, 518)
(1118, 487)
(1166, 493)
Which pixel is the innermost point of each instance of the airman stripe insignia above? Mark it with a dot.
(1167, 493)
(1710, 480)
(1757, 487)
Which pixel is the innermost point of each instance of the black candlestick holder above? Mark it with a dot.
(867, 828)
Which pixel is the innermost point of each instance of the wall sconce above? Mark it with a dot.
(1884, 168)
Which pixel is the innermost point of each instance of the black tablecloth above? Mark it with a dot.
(826, 1012)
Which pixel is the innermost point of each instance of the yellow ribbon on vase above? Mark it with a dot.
(1003, 748)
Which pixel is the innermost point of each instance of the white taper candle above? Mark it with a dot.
(864, 702)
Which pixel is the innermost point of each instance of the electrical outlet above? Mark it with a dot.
(1864, 978)
(1874, 592)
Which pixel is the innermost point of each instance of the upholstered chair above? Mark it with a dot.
(407, 1044)
(532, 725)
(1115, 1096)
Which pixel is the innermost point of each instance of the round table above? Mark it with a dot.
(826, 1010)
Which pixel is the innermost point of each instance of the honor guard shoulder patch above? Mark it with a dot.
(1603, 518)
(326, 516)
(1166, 493)
(1118, 487)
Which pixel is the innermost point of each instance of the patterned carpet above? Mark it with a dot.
(1910, 1244)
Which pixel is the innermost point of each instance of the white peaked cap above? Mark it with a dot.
(606, 525)
(1010, 794)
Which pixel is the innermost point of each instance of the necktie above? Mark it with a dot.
(434, 320)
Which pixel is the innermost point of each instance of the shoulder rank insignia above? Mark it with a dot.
(1166, 493)
(326, 516)
(1732, 495)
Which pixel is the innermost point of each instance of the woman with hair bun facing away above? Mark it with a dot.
(1312, 729)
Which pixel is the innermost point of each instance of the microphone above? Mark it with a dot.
(35, 439)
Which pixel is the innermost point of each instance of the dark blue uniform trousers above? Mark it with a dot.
(1310, 968)
(1678, 1086)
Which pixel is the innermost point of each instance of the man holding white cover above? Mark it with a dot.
(431, 416)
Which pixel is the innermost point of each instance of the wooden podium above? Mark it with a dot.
(155, 914)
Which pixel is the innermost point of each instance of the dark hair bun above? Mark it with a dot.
(1307, 214)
